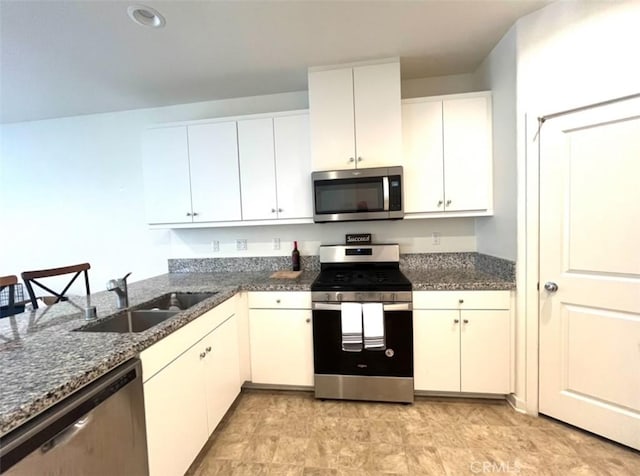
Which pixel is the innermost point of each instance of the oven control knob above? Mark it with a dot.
(389, 352)
(339, 296)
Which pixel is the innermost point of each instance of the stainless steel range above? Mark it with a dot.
(362, 325)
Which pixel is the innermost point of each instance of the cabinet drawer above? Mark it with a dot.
(160, 354)
(280, 300)
(461, 299)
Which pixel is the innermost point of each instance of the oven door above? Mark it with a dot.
(395, 361)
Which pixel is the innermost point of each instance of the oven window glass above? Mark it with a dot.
(349, 195)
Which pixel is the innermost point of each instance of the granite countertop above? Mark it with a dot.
(43, 361)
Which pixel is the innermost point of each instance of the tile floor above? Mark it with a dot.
(287, 433)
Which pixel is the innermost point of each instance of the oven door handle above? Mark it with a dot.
(397, 306)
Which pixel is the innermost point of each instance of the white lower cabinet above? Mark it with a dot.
(191, 378)
(466, 348)
(281, 337)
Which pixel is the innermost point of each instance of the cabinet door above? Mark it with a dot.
(293, 166)
(436, 350)
(422, 157)
(222, 376)
(467, 153)
(166, 175)
(257, 169)
(378, 115)
(331, 119)
(174, 401)
(281, 346)
(485, 354)
(215, 182)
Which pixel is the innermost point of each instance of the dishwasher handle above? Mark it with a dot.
(66, 435)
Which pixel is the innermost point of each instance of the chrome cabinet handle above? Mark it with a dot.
(202, 355)
(277, 301)
(307, 320)
(208, 349)
(455, 321)
(465, 321)
(351, 159)
(448, 202)
(440, 203)
(279, 210)
(195, 214)
(188, 214)
(359, 159)
(273, 210)
(460, 301)
(551, 286)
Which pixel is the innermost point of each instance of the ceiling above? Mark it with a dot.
(64, 58)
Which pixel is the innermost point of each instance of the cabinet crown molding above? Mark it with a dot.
(393, 59)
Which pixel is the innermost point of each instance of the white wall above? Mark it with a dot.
(438, 85)
(570, 54)
(71, 191)
(414, 236)
(496, 235)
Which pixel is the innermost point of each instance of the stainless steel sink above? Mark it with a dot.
(184, 300)
(146, 315)
(129, 321)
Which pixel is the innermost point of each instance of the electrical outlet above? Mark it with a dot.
(241, 245)
(435, 238)
(276, 243)
(215, 246)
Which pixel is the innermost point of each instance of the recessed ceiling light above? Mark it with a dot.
(146, 16)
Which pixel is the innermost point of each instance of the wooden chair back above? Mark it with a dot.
(30, 278)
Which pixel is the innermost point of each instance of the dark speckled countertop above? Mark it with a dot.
(42, 361)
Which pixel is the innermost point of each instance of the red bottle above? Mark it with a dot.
(295, 257)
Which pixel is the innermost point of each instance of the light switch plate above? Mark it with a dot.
(276, 243)
(215, 246)
(241, 245)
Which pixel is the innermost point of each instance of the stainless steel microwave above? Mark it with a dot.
(357, 194)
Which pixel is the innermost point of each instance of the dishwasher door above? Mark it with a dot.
(99, 430)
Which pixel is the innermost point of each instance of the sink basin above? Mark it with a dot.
(146, 315)
(129, 321)
(185, 300)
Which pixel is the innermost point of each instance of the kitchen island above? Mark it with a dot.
(42, 359)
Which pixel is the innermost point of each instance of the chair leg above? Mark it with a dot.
(32, 295)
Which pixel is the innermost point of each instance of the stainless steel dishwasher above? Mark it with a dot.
(99, 430)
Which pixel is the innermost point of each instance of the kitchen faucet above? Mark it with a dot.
(120, 288)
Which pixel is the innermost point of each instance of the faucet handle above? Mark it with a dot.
(126, 276)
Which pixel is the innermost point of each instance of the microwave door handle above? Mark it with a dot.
(385, 193)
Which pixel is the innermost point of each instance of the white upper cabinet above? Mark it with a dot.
(191, 173)
(257, 169)
(355, 115)
(215, 184)
(275, 168)
(238, 171)
(467, 153)
(448, 158)
(166, 168)
(293, 166)
(423, 166)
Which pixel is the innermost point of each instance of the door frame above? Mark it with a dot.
(529, 128)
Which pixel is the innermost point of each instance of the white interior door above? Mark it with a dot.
(589, 249)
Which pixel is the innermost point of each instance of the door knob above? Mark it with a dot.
(351, 159)
(551, 286)
(359, 159)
